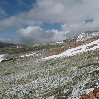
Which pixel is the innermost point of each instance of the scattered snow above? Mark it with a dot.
(22, 56)
(81, 37)
(60, 42)
(51, 97)
(88, 90)
(85, 36)
(97, 68)
(95, 33)
(28, 55)
(2, 57)
(79, 49)
(65, 90)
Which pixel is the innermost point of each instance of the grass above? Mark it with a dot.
(48, 78)
(28, 48)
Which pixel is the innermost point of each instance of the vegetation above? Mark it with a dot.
(30, 78)
(28, 48)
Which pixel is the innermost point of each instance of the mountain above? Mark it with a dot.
(4, 44)
(60, 70)
(9, 45)
(80, 49)
(87, 34)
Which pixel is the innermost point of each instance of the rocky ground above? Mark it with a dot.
(32, 75)
(34, 78)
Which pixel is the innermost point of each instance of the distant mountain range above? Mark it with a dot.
(81, 37)
(9, 45)
(58, 70)
(87, 34)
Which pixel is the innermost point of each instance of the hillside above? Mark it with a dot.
(66, 69)
(5, 45)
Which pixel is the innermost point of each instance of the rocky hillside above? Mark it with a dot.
(70, 73)
(35, 78)
(5, 45)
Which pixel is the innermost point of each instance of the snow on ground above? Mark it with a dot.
(85, 36)
(51, 97)
(2, 57)
(28, 55)
(80, 49)
(60, 42)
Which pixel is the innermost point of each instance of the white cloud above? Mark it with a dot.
(64, 11)
(36, 34)
(29, 30)
(70, 13)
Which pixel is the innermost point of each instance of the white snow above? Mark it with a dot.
(28, 55)
(60, 42)
(51, 97)
(80, 49)
(95, 34)
(84, 36)
(81, 37)
(2, 57)
(88, 90)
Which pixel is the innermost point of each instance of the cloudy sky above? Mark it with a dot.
(40, 21)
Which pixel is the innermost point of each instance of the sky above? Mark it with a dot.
(43, 21)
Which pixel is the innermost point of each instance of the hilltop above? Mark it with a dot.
(58, 70)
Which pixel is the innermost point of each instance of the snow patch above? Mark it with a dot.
(2, 57)
(77, 50)
(28, 55)
(51, 97)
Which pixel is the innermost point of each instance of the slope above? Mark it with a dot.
(80, 49)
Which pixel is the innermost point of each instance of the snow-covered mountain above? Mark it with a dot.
(38, 75)
(80, 49)
(86, 35)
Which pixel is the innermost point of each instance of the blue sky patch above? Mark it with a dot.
(49, 26)
(89, 21)
(13, 7)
